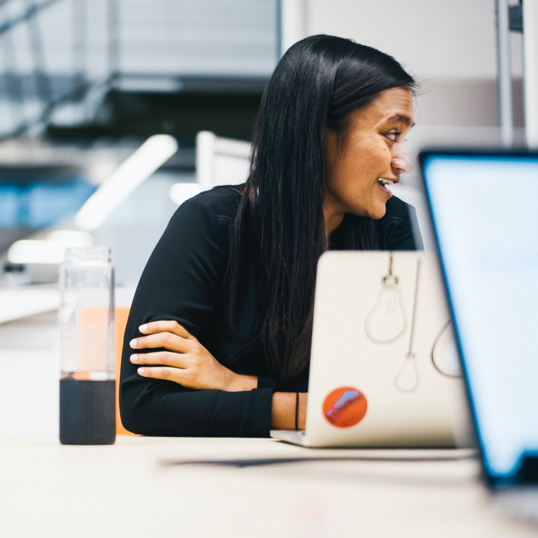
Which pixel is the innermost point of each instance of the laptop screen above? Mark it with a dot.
(485, 216)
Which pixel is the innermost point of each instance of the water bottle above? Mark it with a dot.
(86, 319)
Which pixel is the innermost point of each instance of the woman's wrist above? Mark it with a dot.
(241, 383)
(303, 400)
(284, 408)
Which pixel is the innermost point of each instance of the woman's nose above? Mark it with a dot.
(401, 160)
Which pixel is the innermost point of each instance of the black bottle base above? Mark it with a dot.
(87, 412)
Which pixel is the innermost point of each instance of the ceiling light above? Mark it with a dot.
(138, 167)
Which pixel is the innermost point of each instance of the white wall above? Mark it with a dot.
(432, 38)
(449, 45)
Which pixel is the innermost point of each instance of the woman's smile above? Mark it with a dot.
(383, 186)
(384, 182)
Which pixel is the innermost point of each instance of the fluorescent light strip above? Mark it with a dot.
(150, 156)
(49, 251)
(38, 251)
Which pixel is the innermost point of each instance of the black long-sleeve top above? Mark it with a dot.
(187, 279)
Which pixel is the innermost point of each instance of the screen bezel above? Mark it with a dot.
(527, 473)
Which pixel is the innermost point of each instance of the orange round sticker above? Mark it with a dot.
(345, 407)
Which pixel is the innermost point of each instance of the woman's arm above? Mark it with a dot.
(182, 282)
(190, 364)
(283, 410)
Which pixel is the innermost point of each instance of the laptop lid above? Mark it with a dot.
(383, 372)
(483, 210)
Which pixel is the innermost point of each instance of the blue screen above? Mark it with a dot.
(486, 221)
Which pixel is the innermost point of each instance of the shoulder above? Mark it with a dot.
(203, 222)
(220, 202)
(397, 212)
(398, 229)
(212, 210)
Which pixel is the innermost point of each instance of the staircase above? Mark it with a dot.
(60, 59)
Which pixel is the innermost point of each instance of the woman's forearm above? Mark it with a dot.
(283, 405)
(283, 410)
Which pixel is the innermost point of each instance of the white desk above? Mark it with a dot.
(122, 490)
(30, 370)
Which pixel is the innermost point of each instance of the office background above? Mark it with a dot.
(82, 84)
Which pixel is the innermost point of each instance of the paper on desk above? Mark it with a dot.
(394, 455)
(17, 303)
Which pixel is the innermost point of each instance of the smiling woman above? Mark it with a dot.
(218, 339)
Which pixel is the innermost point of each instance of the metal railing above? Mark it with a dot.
(45, 90)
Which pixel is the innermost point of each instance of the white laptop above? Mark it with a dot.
(485, 218)
(384, 366)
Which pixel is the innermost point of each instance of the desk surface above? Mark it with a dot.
(125, 490)
(129, 489)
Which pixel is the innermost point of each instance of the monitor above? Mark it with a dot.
(484, 215)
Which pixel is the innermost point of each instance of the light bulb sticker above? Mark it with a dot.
(386, 321)
(445, 355)
(407, 377)
(345, 407)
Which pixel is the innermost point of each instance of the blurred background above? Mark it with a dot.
(84, 83)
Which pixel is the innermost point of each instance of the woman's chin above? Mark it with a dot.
(378, 212)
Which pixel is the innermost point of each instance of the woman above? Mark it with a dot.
(218, 339)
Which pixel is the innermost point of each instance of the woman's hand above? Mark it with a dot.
(185, 360)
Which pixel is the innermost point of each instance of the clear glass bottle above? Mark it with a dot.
(86, 319)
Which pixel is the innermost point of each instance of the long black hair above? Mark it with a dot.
(315, 86)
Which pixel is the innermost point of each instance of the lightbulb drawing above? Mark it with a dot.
(407, 377)
(386, 321)
(445, 356)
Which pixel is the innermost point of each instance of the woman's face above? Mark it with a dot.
(370, 153)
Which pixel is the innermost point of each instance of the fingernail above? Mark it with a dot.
(132, 343)
(143, 328)
(141, 371)
(134, 358)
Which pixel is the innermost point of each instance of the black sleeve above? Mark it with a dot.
(398, 229)
(181, 282)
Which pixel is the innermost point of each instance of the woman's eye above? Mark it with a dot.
(392, 136)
